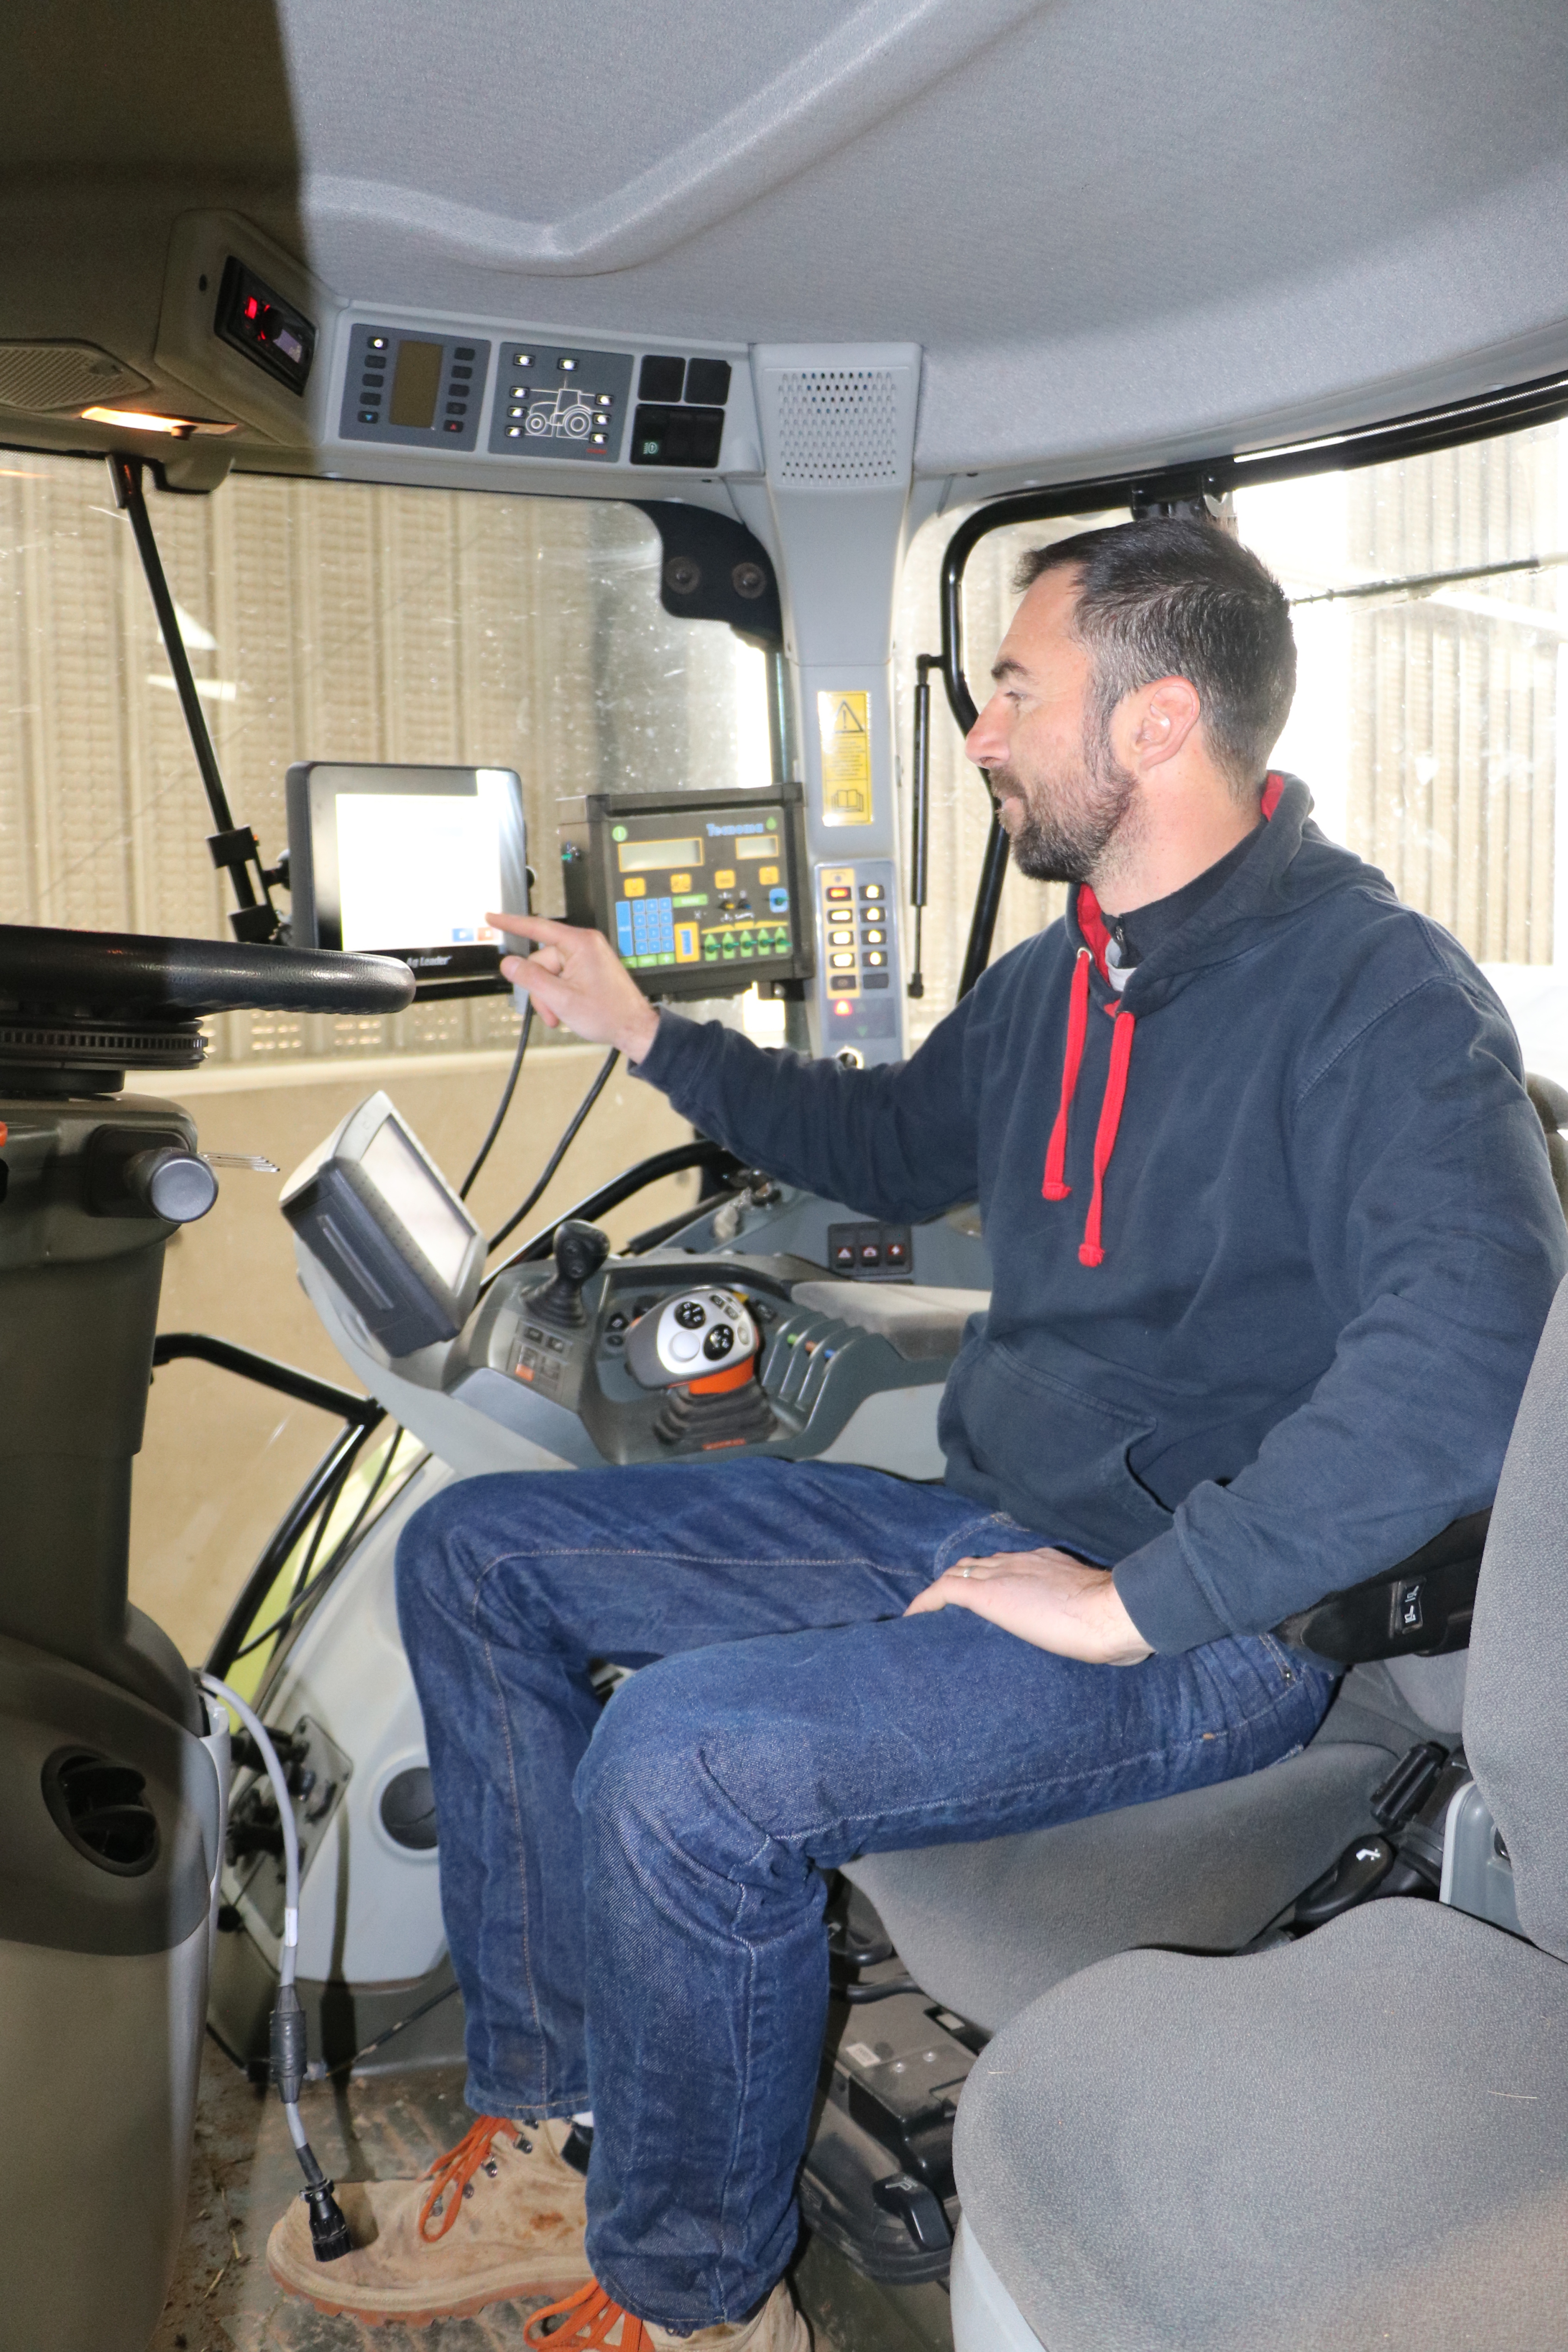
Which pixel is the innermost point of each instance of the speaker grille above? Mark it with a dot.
(62, 375)
(838, 426)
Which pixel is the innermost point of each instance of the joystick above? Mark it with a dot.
(580, 1251)
(700, 1347)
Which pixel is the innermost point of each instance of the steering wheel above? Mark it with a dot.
(168, 981)
(79, 1010)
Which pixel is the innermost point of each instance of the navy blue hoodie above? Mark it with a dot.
(1278, 1342)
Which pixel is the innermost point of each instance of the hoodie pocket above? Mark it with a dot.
(1056, 1457)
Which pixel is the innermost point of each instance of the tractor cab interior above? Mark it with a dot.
(461, 462)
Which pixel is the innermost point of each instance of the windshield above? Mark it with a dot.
(330, 621)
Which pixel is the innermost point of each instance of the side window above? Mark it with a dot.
(330, 620)
(1431, 619)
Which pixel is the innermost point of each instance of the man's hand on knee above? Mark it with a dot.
(576, 979)
(1044, 1597)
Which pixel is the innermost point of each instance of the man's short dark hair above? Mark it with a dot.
(1172, 598)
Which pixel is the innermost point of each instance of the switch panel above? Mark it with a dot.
(552, 401)
(870, 1252)
(859, 956)
(423, 391)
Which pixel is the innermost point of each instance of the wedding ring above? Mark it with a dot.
(967, 1571)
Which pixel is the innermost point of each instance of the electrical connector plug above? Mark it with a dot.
(328, 2231)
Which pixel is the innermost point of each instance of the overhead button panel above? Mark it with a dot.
(421, 390)
(552, 401)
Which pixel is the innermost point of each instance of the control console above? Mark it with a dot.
(596, 1358)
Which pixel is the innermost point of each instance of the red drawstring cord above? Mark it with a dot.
(1091, 1249)
(1056, 1187)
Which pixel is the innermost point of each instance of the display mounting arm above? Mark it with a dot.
(235, 846)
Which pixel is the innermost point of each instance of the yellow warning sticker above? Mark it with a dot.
(844, 722)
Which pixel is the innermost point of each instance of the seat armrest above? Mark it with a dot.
(1422, 1607)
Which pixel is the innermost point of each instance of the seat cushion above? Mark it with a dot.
(988, 1927)
(1355, 2143)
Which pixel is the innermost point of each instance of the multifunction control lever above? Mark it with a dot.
(691, 1337)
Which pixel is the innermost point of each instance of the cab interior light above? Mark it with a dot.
(143, 420)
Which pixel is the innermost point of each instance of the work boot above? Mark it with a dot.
(498, 2216)
(589, 2318)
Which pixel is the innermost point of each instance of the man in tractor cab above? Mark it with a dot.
(1273, 1237)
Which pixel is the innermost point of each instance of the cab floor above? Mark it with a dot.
(224, 2298)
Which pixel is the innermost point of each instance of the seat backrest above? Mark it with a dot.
(1550, 1102)
(1516, 1695)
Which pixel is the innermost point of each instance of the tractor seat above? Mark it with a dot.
(1356, 2142)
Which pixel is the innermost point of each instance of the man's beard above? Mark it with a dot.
(1069, 823)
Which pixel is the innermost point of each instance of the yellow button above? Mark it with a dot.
(637, 888)
(840, 939)
(686, 943)
(764, 873)
(842, 964)
(681, 881)
(725, 878)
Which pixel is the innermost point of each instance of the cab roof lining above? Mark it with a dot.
(1126, 235)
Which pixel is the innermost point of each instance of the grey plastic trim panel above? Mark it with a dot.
(984, 2317)
(894, 1429)
(1478, 1875)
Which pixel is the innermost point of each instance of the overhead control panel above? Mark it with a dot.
(434, 387)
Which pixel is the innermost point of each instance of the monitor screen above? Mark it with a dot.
(373, 1211)
(408, 861)
(417, 1200)
(417, 867)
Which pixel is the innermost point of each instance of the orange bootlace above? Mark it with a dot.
(597, 2315)
(454, 2170)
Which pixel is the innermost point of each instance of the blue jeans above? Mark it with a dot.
(633, 1894)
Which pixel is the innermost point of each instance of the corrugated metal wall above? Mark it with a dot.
(1453, 767)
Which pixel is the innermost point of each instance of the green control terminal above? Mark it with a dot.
(700, 894)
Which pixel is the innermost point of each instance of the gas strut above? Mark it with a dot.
(232, 845)
(920, 842)
(328, 2231)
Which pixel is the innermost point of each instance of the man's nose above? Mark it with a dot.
(986, 741)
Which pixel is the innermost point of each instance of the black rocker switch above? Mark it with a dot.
(580, 1251)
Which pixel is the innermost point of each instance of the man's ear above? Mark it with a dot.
(1161, 719)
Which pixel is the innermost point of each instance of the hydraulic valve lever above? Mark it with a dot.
(580, 1251)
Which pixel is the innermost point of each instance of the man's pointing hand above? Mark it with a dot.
(577, 982)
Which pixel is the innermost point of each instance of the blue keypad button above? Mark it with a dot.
(624, 927)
